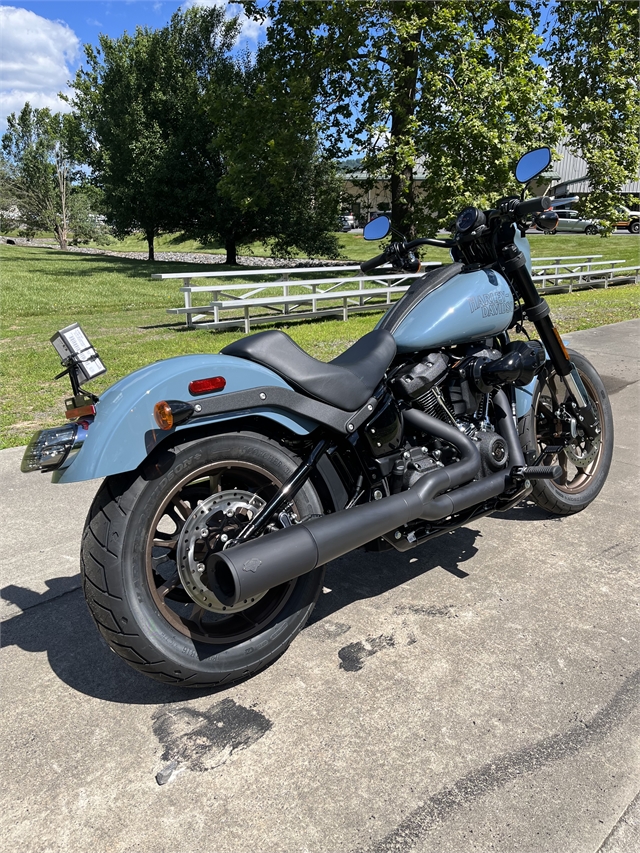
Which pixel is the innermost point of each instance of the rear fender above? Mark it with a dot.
(124, 431)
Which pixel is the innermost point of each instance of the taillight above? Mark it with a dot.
(207, 386)
(49, 449)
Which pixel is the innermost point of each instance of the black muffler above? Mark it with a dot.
(241, 573)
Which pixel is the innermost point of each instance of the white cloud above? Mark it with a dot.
(36, 62)
(251, 30)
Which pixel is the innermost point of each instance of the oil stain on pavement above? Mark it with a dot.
(202, 740)
(353, 656)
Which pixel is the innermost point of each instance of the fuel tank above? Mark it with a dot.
(462, 308)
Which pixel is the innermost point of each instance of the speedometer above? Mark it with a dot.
(469, 218)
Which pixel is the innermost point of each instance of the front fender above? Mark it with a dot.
(524, 397)
(124, 430)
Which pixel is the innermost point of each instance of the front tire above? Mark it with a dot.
(142, 547)
(591, 229)
(585, 465)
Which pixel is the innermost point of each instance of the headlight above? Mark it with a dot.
(50, 448)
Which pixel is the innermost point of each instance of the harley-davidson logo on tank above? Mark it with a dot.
(491, 304)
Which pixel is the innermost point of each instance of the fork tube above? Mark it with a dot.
(537, 311)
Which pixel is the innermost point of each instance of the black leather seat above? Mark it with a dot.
(347, 382)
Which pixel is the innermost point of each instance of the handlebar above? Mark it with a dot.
(532, 205)
(512, 209)
(372, 263)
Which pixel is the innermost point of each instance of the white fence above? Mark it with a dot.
(286, 297)
(276, 294)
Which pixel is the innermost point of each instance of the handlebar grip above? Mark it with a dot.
(372, 263)
(532, 205)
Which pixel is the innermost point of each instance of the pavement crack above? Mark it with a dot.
(609, 845)
(506, 768)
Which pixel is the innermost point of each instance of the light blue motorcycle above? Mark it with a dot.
(230, 480)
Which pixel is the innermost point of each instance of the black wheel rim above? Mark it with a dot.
(163, 579)
(549, 430)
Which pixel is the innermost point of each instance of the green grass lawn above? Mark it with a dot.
(124, 313)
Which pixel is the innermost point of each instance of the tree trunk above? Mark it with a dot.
(403, 108)
(61, 236)
(232, 252)
(62, 170)
(150, 238)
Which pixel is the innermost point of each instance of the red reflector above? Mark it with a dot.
(81, 412)
(206, 386)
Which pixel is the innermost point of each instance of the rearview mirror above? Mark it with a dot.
(532, 163)
(377, 228)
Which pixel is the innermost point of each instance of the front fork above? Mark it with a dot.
(537, 311)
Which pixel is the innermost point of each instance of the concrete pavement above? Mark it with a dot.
(477, 694)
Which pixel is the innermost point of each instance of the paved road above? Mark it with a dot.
(478, 694)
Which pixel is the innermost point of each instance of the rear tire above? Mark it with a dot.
(634, 227)
(137, 534)
(579, 483)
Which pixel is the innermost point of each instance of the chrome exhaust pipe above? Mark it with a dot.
(251, 568)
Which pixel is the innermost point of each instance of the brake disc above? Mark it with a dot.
(582, 456)
(212, 523)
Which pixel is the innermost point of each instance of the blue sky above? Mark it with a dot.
(41, 41)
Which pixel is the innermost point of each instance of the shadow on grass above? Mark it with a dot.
(287, 325)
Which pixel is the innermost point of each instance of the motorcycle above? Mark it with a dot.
(230, 480)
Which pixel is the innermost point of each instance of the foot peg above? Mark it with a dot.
(537, 472)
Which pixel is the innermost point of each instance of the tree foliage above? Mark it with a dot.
(276, 185)
(448, 88)
(593, 58)
(145, 133)
(39, 168)
(182, 136)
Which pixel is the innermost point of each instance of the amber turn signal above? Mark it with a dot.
(80, 412)
(561, 342)
(163, 415)
(172, 413)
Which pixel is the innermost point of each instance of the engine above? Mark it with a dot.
(455, 386)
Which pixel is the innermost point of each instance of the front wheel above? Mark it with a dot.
(144, 551)
(585, 463)
(591, 229)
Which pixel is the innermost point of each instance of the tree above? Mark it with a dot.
(36, 146)
(593, 58)
(449, 88)
(146, 135)
(182, 136)
(276, 185)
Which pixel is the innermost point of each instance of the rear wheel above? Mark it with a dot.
(634, 226)
(585, 463)
(143, 562)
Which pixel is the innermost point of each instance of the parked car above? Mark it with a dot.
(571, 221)
(629, 219)
(347, 222)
